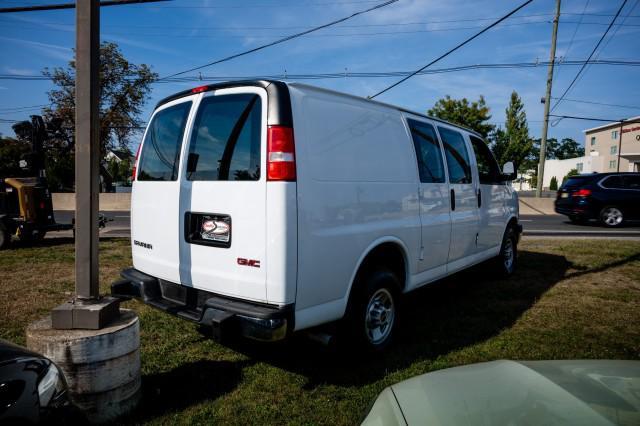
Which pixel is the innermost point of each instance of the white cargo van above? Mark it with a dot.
(261, 208)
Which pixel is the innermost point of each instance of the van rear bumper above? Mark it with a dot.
(226, 316)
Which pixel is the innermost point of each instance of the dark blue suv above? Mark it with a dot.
(611, 198)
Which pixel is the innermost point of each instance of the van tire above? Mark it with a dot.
(506, 261)
(372, 316)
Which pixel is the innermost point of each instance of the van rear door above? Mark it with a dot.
(155, 218)
(222, 199)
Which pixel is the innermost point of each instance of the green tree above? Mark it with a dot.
(474, 115)
(120, 171)
(572, 172)
(553, 185)
(11, 152)
(568, 148)
(124, 87)
(515, 145)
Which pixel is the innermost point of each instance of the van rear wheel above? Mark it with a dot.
(372, 315)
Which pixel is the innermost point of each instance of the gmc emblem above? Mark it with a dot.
(248, 262)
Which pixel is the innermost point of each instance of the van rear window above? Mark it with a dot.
(160, 154)
(225, 143)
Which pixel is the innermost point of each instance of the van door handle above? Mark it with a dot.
(479, 198)
(453, 200)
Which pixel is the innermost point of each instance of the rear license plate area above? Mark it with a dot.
(208, 229)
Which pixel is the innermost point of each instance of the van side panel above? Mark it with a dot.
(282, 243)
(357, 183)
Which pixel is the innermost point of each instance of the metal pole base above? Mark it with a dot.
(89, 315)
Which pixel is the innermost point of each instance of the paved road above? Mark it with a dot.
(118, 226)
(558, 226)
(534, 225)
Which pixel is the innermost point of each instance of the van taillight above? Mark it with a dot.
(135, 164)
(281, 157)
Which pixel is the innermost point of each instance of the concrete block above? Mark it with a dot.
(102, 367)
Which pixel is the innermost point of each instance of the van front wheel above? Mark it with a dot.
(372, 316)
(505, 262)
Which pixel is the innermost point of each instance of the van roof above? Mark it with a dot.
(266, 83)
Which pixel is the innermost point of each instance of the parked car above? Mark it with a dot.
(261, 208)
(611, 198)
(32, 388)
(590, 392)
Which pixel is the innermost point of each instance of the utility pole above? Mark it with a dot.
(87, 147)
(619, 145)
(547, 102)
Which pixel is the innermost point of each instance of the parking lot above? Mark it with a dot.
(584, 306)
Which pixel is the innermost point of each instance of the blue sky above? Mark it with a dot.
(177, 35)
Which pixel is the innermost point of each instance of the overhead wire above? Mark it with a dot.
(450, 51)
(611, 37)
(573, 36)
(624, 2)
(354, 74)
(282, 40)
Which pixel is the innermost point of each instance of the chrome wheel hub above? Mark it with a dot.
(380, 316)
(508, 254)
(612, 216)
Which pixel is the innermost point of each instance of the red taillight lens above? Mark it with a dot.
(134, 169)
(199, 89)
(582, 193)
(281, 157)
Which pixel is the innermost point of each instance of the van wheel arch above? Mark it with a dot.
(383, 271)
(390, 255)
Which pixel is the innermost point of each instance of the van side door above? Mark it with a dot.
(491, 198)
(462, 198)
(434, 201)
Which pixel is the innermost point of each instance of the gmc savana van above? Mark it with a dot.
(261, 208)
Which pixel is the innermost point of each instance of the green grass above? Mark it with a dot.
(569, 299)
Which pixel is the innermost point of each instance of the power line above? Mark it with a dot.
(452, 50)
(590, 56)
(600, 103)
(615, 32)
(348, 34)
(448, 21)
(282, 40)
(573, 117)
(22, 109)
(355, 74)
(60, 6)
(566, 53)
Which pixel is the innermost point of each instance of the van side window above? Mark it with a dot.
(225, 143)
(428, 152)
(455, 150)
(488, 169)
(160, 154)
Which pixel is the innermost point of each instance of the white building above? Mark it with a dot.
(560, 168)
